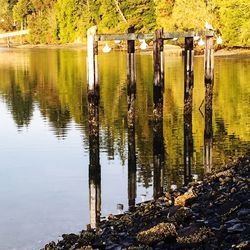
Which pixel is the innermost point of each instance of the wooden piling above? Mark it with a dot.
(158, 52)
(188, 102)
(131, 78)
(93, 119)
(188, 73)
(92, 52)
(209, 60)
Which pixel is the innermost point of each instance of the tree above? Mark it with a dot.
(140, 13)
(234, 21)
(164, 9)
(6, 20)
(190, 15)
(21, 10)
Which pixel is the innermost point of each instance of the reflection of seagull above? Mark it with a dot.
(106, 49)
(195, 177)
(117, 41)
(143, 196)
(173, 187)
(208, 26)
(119, 207)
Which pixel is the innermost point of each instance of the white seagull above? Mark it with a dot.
(208, 26)
(106, 49)
(143, 44)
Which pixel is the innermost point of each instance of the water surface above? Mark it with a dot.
(44, 137)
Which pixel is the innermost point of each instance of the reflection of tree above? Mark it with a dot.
(21, 105)
(54, 80)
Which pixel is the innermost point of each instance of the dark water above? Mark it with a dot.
(44, 137)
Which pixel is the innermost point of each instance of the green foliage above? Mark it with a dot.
(190, 15)
(140, 13)
(22, 9)
(68, 20)
(5, 16)
(234, 20)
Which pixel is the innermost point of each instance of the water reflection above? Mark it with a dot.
(44, 92)
(208, 131)
(94, 159)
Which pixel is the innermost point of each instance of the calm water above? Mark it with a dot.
(44, 137)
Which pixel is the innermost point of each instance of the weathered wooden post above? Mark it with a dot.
(131, 77)
(158, 90)
(188, 102)
(188, 73)
(209, 81)
(131, 96)
(209, 60)
(208, 131)
(158, 51)
(92, 67)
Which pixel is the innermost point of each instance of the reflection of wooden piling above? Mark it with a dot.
(131, 168)
(209, 60)
(158, 74)
(208, 131)
(158, 158)
(188, 101)
(131, 75)
(188, 147)
(94, 157)
(92, 67)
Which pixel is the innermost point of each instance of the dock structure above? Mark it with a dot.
(158, 38)
(8, 35)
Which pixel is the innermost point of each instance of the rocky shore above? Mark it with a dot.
(212, 214)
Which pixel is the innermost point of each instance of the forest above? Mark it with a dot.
(66, 21)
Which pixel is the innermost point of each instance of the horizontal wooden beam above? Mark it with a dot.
(15, 33)
(150, 36)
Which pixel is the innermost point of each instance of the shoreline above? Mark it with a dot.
(170, 49)
(210, 214)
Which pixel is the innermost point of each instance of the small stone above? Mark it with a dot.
(157, 233)
(236, 228)
(181, 199)
(243, 212)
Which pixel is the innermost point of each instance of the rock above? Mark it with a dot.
(181, 200)
(181, 215)
(236, 228)
(160, 232)
(199, 236)
(50, 246)
(243, 212)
